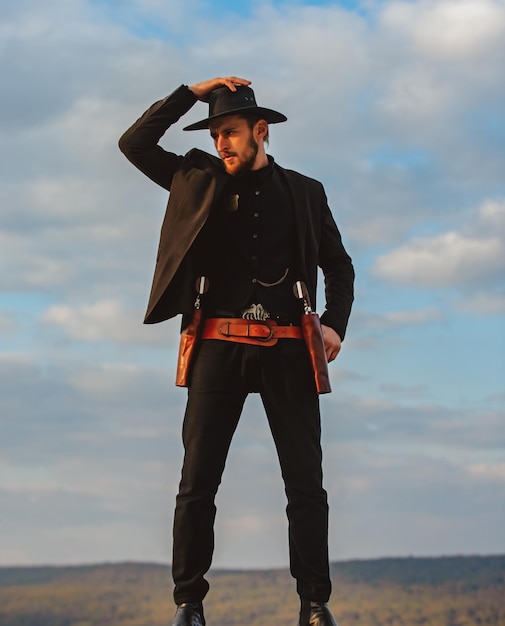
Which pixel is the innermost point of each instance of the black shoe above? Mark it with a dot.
(315, 614)
(189, 614)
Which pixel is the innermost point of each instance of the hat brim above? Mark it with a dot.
(269, 115)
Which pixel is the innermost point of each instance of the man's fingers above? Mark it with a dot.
(332, 353)
(203, 89)
(332, 342)
(232, 81)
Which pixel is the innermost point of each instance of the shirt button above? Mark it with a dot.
(255, 214)
(255, 236)
(257, 193)
(254, 258)
(254, 280)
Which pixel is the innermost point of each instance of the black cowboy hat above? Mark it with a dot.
(223, 101)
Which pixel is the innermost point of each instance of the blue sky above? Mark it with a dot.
(398, 108)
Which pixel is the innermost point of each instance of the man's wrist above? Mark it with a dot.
(328, 320)
(184, 95)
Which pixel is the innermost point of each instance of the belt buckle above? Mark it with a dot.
(270, 330)
(255, 312)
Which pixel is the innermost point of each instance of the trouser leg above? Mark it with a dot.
(292, 406)
(215, 401)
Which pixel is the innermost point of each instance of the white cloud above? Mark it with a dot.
(102, 320)
(417, 95)
(408, 318)
(110, 321)
(390, 322)
(445, 260)
(450, 29)
(7, 323)
(439, 80)
(492, 216)
(452, 258)
(400, 391)
(412, 318)
(492, 471)
(484, 304)
(36, 269)
(105, 382)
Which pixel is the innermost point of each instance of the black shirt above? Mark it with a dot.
(247, 248)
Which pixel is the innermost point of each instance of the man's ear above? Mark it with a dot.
(261, 129)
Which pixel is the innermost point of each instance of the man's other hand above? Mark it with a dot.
(332, 342)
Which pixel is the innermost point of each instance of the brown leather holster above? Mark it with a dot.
(313, 336)
(188, 344)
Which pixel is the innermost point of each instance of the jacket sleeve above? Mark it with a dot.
(140, 142)
(338, 274)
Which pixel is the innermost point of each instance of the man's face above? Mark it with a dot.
(235, 144)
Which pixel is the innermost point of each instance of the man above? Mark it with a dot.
(253, 230)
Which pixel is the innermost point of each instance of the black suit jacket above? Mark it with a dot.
(195, 182)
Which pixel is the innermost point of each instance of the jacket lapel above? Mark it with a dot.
(300, 203)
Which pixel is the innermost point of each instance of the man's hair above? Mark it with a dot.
(251, 120)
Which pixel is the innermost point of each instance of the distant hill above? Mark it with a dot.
(445, 591)
(469, 570)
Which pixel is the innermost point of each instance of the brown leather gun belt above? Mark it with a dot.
(265, 333)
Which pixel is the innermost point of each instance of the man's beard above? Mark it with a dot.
(245, 164)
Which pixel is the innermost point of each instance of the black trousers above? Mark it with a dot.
(224, 373)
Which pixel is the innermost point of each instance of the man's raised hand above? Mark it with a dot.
(203, 89)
